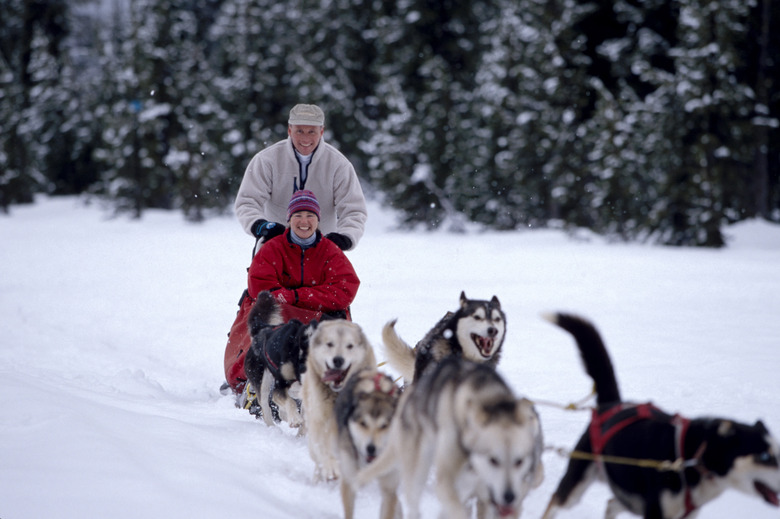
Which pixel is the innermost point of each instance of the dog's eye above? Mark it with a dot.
(518, 463)
(349, 346)
(330, 345)
(766, 458)
(494, 461)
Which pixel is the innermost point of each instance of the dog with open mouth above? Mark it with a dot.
(714, 454)
(474, 332)
(483, 442)
(337, 350)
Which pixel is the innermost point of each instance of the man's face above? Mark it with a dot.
(305, 138)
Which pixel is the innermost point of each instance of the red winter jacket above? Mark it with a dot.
(321, 278)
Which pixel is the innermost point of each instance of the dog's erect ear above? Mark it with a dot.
(303, 353)
(495, 302)
(344, 408)
(525, 413)
(463, 299)
(264, 312)
(254, 322)
(761, 427)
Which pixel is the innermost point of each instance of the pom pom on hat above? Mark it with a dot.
(303, 200)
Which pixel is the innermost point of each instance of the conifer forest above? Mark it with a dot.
(641, 120)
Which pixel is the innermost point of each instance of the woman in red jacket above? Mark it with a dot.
(303, 269)
(307, 273)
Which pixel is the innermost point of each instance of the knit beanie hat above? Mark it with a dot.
(307, 115)
(303, 200)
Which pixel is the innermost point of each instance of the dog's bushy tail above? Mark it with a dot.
(399, 354)
(594, 355)
(265, 312)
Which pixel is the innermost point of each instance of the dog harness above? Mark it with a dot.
(378, 384)
(606, 423)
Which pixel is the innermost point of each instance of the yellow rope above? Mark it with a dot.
(385, 362)
(677, 465)
(661, 465)
(579, 405)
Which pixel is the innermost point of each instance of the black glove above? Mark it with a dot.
(265, 230)
(342, 241)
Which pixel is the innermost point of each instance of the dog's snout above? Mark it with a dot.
(509, 496)
(492, 331)
(371, 449)
(338, 362)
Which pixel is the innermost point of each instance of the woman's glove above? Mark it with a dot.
(285, 296)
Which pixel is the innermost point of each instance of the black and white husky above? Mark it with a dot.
(276, 360)
(474, 332)
(716, 453)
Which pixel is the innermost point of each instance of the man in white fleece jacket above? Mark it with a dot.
(302, 161)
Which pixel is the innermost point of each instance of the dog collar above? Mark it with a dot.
(681, 425)
(680, 430)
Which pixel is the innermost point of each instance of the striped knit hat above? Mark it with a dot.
(303, 200)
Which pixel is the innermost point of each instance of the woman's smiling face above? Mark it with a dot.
(304, 224)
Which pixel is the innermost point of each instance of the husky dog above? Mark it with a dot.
(364, 411)
(475, 332)
(463, 419)
(337, 349)
(276, 359)
(716, 454)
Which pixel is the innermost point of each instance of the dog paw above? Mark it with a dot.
(326, 474)
(331, 474)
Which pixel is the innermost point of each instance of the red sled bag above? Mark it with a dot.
(239, 340)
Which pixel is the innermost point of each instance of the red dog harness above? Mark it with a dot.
(378, 378)
(605, 424)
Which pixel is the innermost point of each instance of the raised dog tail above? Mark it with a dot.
(399, 354)
(265, 312)
(594, 355)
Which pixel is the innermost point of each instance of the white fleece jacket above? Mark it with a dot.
(273, 173)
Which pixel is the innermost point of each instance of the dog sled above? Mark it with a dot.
(240, 340)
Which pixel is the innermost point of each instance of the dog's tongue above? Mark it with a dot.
(485, 344)
(333, 375)
(505, 511)
(769, 495)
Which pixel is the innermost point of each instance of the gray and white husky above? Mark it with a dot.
(463, 420)
(717, 453)
(475, 332)
(364, 412)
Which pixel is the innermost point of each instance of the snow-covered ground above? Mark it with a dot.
(113, 332)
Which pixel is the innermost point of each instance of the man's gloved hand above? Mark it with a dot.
(341, 240)
(265, 230)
